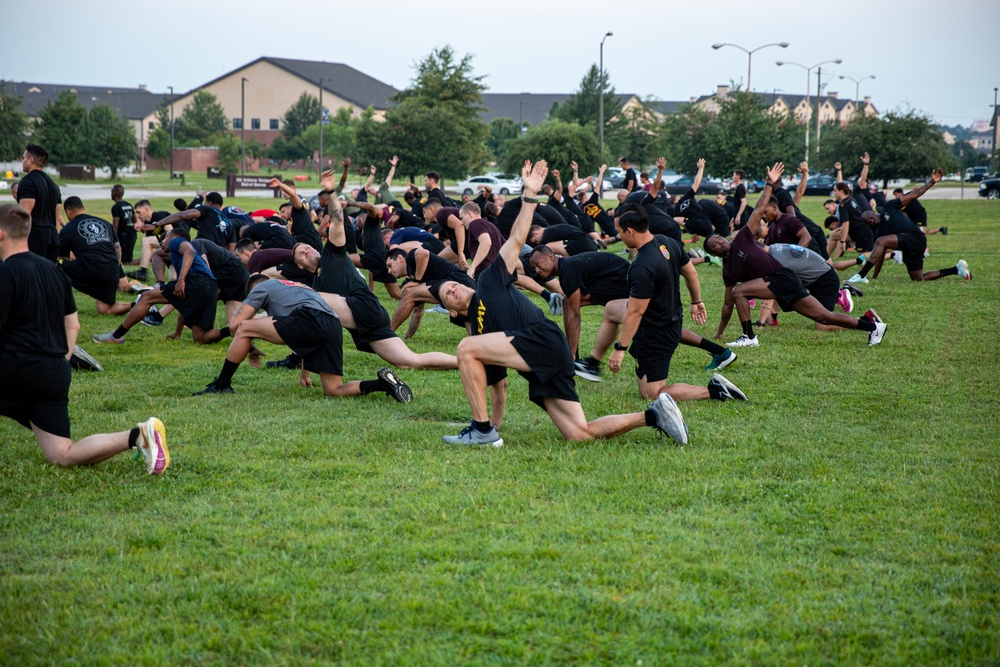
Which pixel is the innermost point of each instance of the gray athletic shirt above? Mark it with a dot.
(806, 264)
(280, 297)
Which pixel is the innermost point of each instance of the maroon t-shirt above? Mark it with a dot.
(477, 228)
(746, 260)
(442, 219)
(784, 230)
(267, 259)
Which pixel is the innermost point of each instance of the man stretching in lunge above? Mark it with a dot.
(509, 331)
(748, 271)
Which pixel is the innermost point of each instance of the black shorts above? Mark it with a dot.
(99, 281)
(370, 319)
(826, 288)
(316, 336)
(786, 287)
(913, 245)
(543, 347)
(699, 226)
(35, 390)
(44, 241)
(599, 296)
(232, 284)
(863, 236)
(433, 245)
(127, 242)
(375, 262)
(198, 304)
(652, 352)
(721, 226)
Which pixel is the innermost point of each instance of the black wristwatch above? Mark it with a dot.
(620, 348)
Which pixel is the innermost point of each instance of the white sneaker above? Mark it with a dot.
(857, 278)
(669, 419)
(470, 436)
(897, 257)
(727, 390)
(963, 269)
(153, 445)
(875, 337)
(744, 341)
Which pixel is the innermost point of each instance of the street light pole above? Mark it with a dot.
(243, 126)
(749, 53)
(808, 70)
(321, 128)
(171, 132)
(600, 123)
(857, 86)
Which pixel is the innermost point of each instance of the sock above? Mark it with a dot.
(710, 347)
(748, 329)
(865, 325)
(546, 294)
(133, 438)
(866, 268)
(224, 332)
(120, 332)
(860, 261)
(650, 418)
(371, 386)
(482, 427)
(715, 392)
(950, 271)
(225, 378)
(774, 316)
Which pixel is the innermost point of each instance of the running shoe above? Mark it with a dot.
(440, 309)
(140, 274)
(857, 278)
(555, 304)
(727, 390)
(871, 315)
(471, 436)
(291, 362)
(745, 341)
(875, 337)
(80, 360)
(394, 386)
(138, 287)
(862, 258)
(721, 360)
(897, 257)
(852, 289)
(210, 388)
(944, 230)
(845, 301)
(153, 445)
(107, 338)
(696, 252)
(963, 269)
(669, 419)
(588, 369)
(153, 319)
(712, 259)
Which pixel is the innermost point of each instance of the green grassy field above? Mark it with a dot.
(848, 514)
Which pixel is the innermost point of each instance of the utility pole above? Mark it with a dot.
(819, 85)
(171, 132)
(321, 128)
(600, 124)
(243, 126)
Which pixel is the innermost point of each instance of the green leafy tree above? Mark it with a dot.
(557, 141)
(684, 134)
(288, 151)
(14, 127)
(443, 81)
(583, 106)
(201, 119)
(61, 127)
(338, 135)
(502, 131)
(230, 152)
(108, 139)
(369, 137)
(158, 144)
(303, 114)
(636, 133)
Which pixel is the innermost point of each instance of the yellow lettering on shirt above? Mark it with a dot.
(480, 316)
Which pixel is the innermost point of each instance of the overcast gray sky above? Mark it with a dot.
(941, 58)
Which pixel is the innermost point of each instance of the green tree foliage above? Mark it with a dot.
(14, 127)
(158, 144)
(303, 114)
(435, 124)
(338, 135)
(901, 144)
(583, 106)
(369, 135)
(230, 153)
(108, 139)
(502, 131)
(203, 118)
(287, 151)
(557, 141)
(61, 129)
(636, 133)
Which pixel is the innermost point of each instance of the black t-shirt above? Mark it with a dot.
(336, 274)
(436, 269)
(160, 232)
(303, 228)
(226, 266)
(915, 211)
(690, 208)
(561, 232)
(739, 194)
(92, 240)
(214, 227)
(407, 219)
(269, 235)
(716, 213)
(35, 296)
(894, 220)
(38, 186)
(654, 275)
(851, 210)
(660, 221)
(498, 305)
(785, 199)
(592, 207)
(126, 218)
(602, 271)
(630, 182)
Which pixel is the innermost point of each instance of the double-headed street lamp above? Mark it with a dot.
(809, 69)
(600, 122)
(749, 53)
(857, 86)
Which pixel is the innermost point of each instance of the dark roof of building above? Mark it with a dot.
(134, 103)
(793, 100)
(667, 107)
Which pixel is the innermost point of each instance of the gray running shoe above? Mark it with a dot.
(669, 419)
(394, 386)
(727, 390)
(83, 361)
(470, 436)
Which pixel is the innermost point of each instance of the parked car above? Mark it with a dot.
(989, 188)
(752, 185)
(709, 186)
(615, 176)
(820, 185)
(976, 174)
(498, 185)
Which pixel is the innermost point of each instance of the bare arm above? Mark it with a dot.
(863, 178)
(800, 191)
(71, 323)
(698, 311)
(28, 204)
(392, 171)
(371, 177)
(727, 312)
(293, 195)
(187, 259)
(456, 225)
(180, 216)
(335, 230)
(634, 311)
(557, 191)
(840, 172)
(575, 181)
(532, 178)
(773, 176)
(697, 177)
(654, 189)
(343, 176)
(421, 260)
(571, 321)
(485, 243)
(913, 194)
(244, 313)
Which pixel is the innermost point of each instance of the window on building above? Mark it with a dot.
(152, 125)
(237, 123)
(255, 123)
(274, 123)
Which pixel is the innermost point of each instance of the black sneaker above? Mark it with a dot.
(141, 274)
(588, 369)
(291, 362)
(210, 388)
(944, 230)
(727, 390)
(852, 289)
(82, 361)
(394, 386)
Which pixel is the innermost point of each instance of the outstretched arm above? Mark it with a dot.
(698, 311)
(913, 194)
(335, 231)
(840, 172)
(697, 177)
(863, 178)
(557, 191)
(392, 171)
(180, 216)
(371, 177)
(343, 176)
(800, 191)
(293, 196)
(773, 180)
(654, 189)
(532, 178)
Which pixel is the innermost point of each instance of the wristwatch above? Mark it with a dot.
(620, 348)
(529, 200)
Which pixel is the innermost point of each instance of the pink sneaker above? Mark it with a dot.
(845, 301)
(753, 303)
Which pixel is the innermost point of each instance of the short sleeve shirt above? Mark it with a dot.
(477, 228)
(498, 305)
(784, 230)
(38, 186)
(590, 269)
(198, 266)
(282, 297)
(35, 296)
(654, 275)
(91, 239)
(746, 260)
(895, 221)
